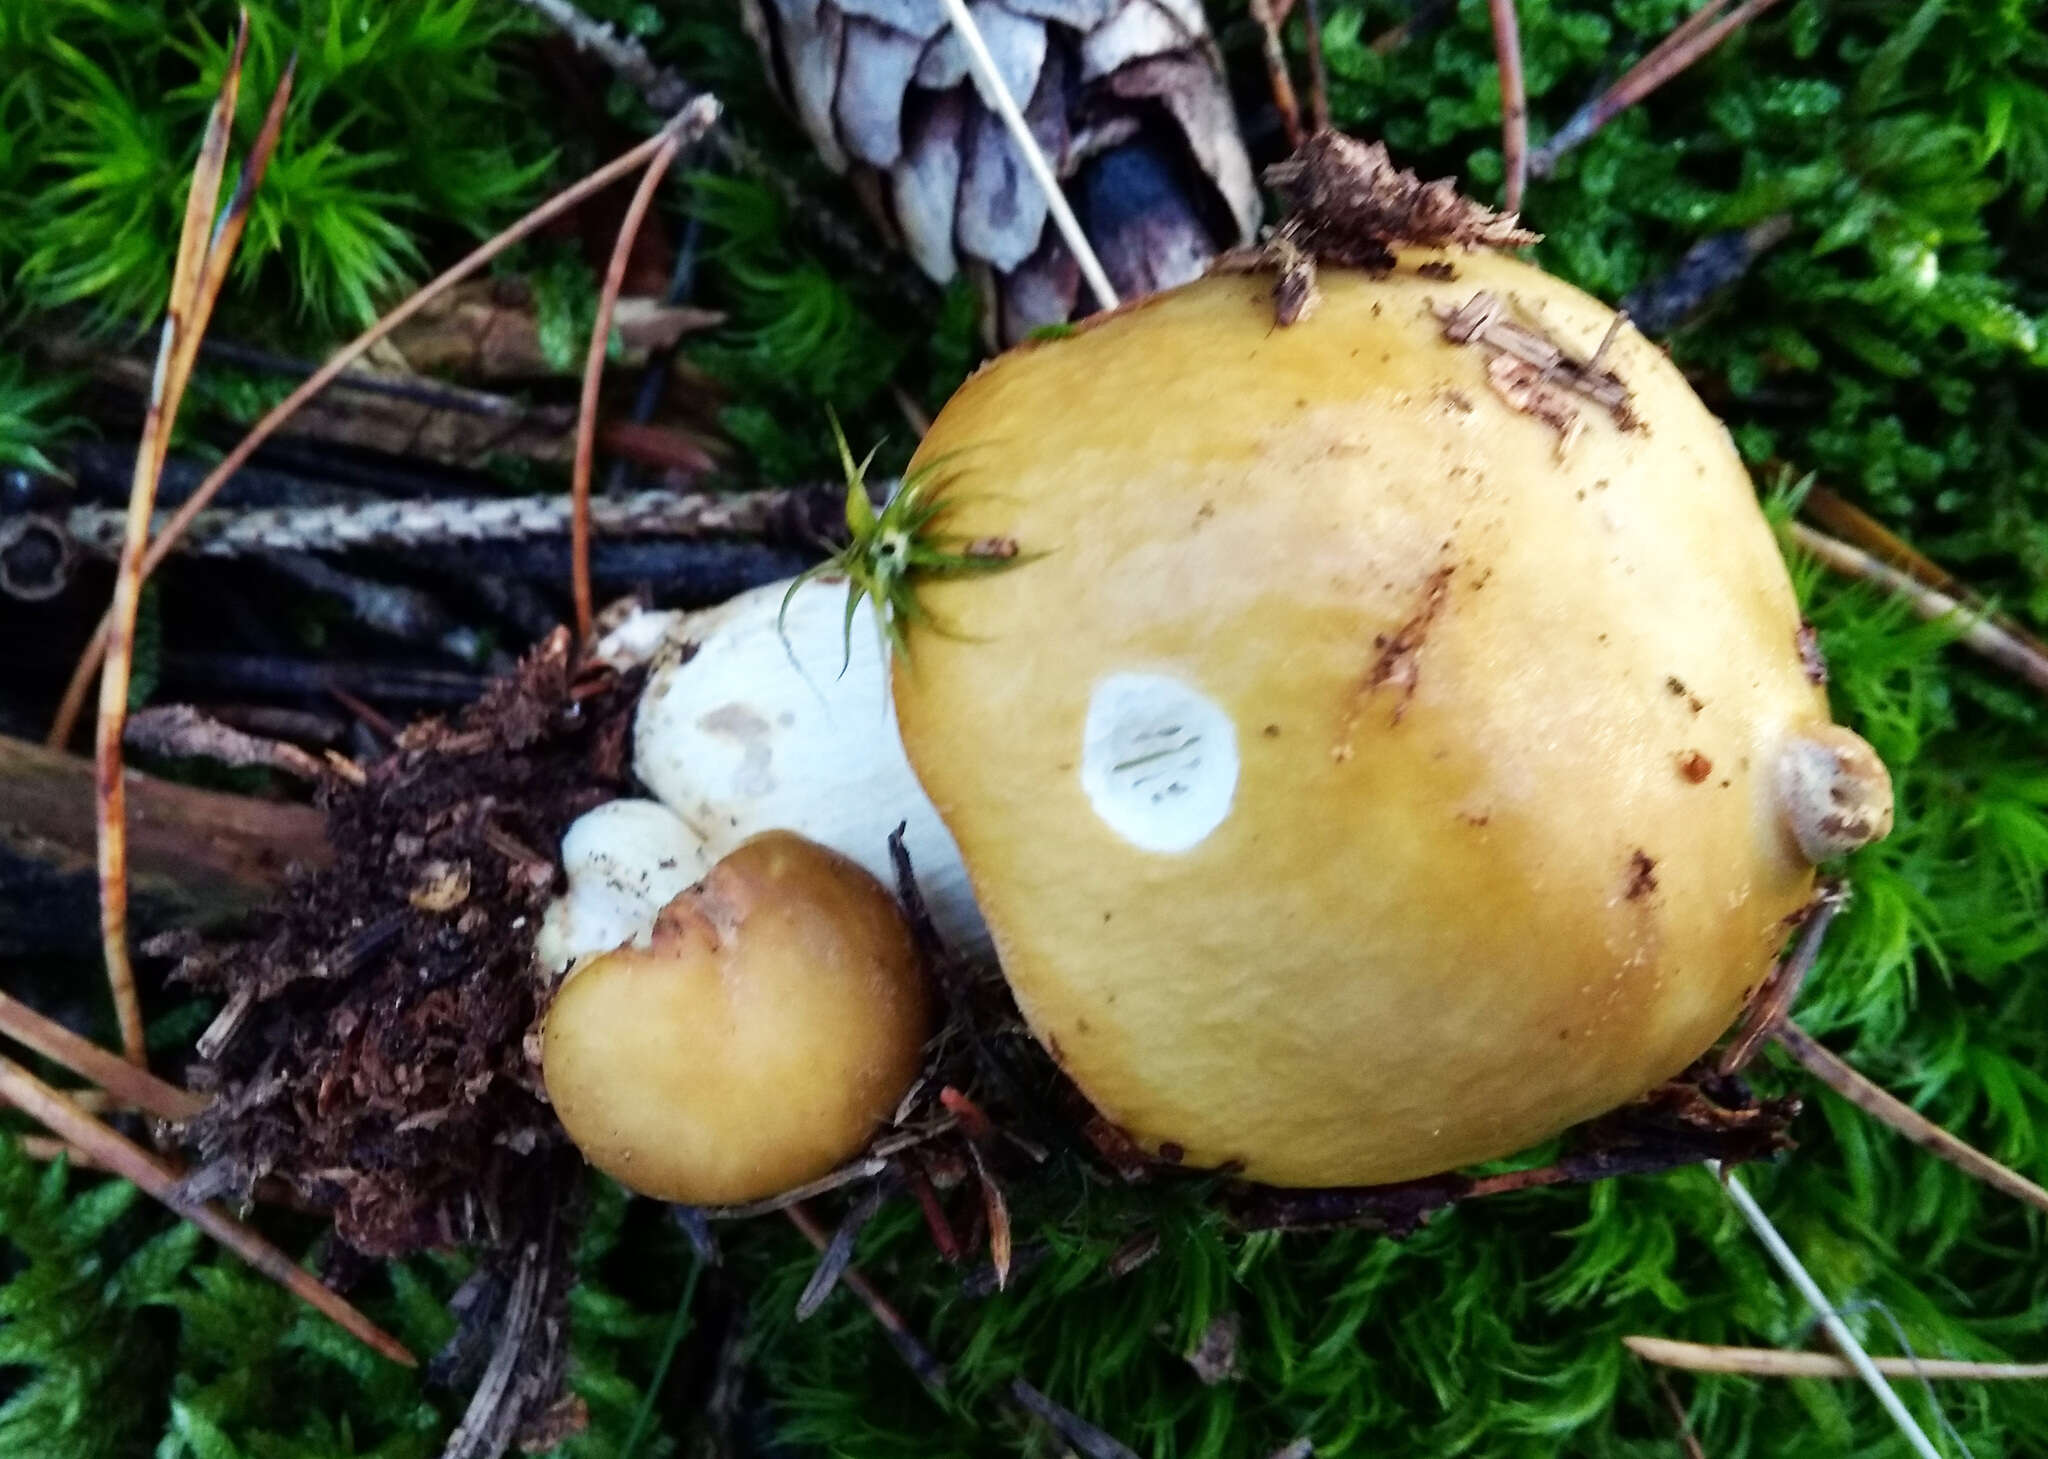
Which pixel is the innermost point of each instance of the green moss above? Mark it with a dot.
(1891, 344)
(405, 120)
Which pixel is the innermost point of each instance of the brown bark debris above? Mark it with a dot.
(1532, 372)
(1351, 205)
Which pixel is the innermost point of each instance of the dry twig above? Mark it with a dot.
(1699, 1357)
(1081, 1436)
(182, 732)
(1981, 633)
(108, 1149)
(205, 248)
(593, 375)
(1514, 102)
(686, 126)
(797, 513)
(1831, 1070)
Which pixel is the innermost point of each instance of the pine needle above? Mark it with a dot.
(915, 1355)
(1690, 39)
(1275, 55)
(124, 1081)
(1981, 633)
(593, 377)
(1828, 1067)
(1699, 1357)
(111, 1151)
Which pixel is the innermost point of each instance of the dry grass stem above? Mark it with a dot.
(593, 377)
(204, 251)
(1981, 633)
(124, 1081)
(861, 1169)
(1860, 1362)
(1835, 514)
(1699, 1357)
(1828, 1067)
(110, 1151)
(686, 126)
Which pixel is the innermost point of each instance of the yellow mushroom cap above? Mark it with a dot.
(773, 1019)
(1372, 767)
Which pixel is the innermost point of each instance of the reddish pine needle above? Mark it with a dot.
(1514, 103)
(1690, 39)
(593, 376)
(1318, 72)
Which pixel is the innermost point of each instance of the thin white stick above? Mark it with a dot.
(997, 95)
(1831, 1320)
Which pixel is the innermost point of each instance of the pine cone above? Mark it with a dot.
(1126, 97)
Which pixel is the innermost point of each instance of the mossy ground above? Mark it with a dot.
(1891, 345)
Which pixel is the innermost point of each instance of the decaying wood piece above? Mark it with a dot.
(1126, 98)
(195, 857)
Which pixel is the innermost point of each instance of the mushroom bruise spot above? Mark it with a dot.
(1158, 761)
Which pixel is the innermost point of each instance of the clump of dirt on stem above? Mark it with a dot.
(373, 1054)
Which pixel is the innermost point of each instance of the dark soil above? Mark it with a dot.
(374, 1053)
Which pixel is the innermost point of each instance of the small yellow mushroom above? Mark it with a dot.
(773, 1018)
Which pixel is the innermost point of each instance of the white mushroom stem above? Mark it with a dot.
(755, 720)
(625, 861)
